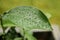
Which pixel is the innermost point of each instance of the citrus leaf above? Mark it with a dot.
(28, 18)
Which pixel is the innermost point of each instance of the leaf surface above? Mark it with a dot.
(28, 18)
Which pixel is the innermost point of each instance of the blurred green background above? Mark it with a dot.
(51, 7)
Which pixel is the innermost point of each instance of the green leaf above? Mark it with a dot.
(8, 23)
(27, 18)
(29, 35)
(18, 39)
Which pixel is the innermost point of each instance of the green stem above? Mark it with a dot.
(23, 35)
(2, 27)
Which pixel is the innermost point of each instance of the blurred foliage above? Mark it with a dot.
(18, 39)
(47, 6)
(11, 35)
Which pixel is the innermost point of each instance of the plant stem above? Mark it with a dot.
(2, 27)
(23, 35)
